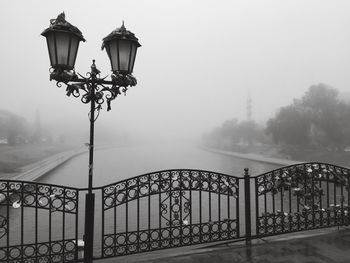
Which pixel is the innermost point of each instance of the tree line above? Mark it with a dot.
(16, 130)
(318, 119)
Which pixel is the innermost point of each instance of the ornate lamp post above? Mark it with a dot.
(121, 45)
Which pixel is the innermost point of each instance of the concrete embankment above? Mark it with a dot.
(254, 157)
(36, 170)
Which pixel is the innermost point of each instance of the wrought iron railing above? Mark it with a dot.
(167, 209)
(302, 197)
(34, 224)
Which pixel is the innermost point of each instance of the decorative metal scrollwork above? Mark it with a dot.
(29, 194)
(176, 208)
(304, 194)
(93, 87)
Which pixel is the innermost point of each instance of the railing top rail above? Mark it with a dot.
(165, 171)
(120, 181)
(300, 164)
(39, 183)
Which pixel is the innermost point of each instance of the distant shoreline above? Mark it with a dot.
(253, 157)
(336, 158)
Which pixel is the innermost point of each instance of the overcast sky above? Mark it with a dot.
(198, 62)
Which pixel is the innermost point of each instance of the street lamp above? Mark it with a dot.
(121, 45)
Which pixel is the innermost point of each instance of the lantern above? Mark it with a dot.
(62, 42)
(121, 46)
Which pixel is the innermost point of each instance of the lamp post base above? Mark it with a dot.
(89, 227)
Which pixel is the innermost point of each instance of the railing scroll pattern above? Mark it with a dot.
(30, 214)
(168, 209)
(302, 197)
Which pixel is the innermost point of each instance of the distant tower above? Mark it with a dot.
(249, 107)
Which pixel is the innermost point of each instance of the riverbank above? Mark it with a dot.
(254, 157)
(286, 155)
(28, 162)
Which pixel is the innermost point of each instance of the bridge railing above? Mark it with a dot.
(167, 209)
(30, 215)
(301, 197)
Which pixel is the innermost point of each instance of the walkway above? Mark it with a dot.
(254, 157)
(318, 246)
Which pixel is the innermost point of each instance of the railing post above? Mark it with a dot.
(248, 226)
(89, 227)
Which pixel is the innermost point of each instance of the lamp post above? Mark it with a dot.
(121, 45)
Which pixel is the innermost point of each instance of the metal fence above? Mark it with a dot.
(167, 209)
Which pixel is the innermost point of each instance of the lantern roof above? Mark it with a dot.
(60, 24)
(121, 33)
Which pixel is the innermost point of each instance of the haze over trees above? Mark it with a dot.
(234, 133)
(318, 119)
(16, 130)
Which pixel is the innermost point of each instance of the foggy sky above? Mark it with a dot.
(197, 64)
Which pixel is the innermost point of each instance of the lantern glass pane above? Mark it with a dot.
(113, 55)
(51, 46)
(62, 43)
(73, 51)
(124, 55)
(132, 58)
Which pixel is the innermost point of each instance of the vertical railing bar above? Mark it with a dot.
(160, 211)
(228, 207)
(257, 222)
(200, 206)
(181, 219)
(335, 199)
(265, 205)
(63, 223)
(36, 223)
(77, 225)
(22, 221)
(126, 217)
(298, 201)
(115, 219)
(313, 200)
(170, 210)
(191, 227)
(209, 189)
(306, 216)
(103, 223)
(238, 234)
(320, 197)
(209, 178)
(8, 221)
(290, 217)
(50, 226)
(248, 226)
(342, 198)
(348, 202)
(138, 214)
(219, 205)
(282, 205)
(328, 213)
(274, 202)
(149, 212)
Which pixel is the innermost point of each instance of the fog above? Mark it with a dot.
(198, 62)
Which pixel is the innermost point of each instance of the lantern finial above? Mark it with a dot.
(60, 23)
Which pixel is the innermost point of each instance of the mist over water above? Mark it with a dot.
(196, 67)
(114, 164)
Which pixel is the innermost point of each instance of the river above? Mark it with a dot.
(114, 164)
